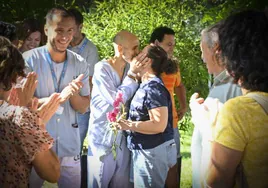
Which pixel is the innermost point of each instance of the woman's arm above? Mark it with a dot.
(45, 162)
(222, 167)
(157, 123)
(47, 165)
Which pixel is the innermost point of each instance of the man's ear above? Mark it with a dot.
(120, 48)
(80, 27)
(45, 29)
(156, 42)
(217, 49)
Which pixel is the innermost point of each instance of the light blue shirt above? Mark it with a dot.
(223, 88)
(106, 84)
(89, 52)
(61, 127)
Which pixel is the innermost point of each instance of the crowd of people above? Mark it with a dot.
(54, 91)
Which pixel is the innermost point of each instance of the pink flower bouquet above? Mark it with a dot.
(114, 117)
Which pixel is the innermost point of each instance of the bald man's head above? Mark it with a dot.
(126, 45)
(123, 36)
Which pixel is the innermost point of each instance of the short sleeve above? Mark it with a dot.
(92, 59)
(178, 79)
(28, 62)
(31, 137)
(231, 130)
(84, 69)
(156, 96)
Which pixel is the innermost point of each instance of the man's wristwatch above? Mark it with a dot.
(131, 75)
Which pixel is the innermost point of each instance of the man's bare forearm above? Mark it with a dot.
(80, 103)
(180, 92)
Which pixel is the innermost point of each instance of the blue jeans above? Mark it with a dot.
(150, 166)
(83, 121)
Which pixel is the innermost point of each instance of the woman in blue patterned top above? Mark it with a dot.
(150, 123)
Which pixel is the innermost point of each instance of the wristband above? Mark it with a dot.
(132, 73)
(132, 77)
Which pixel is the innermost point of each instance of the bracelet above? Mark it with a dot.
(132, 73)
(132, 77)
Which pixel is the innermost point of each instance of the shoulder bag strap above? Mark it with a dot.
(262, 100)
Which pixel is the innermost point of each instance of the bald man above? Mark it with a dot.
(116, 74)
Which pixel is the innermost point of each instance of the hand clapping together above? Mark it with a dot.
(22, 93)
(72, 89)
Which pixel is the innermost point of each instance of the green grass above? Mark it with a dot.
(186, 169)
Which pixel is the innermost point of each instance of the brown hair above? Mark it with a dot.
(58, 11)
(159, 59)
(11, 64)
(28, 27)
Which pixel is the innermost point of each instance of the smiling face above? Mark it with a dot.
(32, 41)
(168, 44)
(59, 33)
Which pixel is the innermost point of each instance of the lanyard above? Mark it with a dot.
(56, 85)
(82, 47)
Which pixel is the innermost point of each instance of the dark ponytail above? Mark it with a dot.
(159, 59)
(171, 66)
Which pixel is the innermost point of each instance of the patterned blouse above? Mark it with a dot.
(21, 138)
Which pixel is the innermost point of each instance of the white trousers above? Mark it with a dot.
(109, 172)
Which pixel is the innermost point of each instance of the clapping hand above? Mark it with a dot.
(199, 111)
(72, 89)
(26, 89)
(195, 101)
(13, 98)
(47, 109)
(204, 113)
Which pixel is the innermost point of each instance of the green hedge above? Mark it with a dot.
(187, 18)
(141, 17)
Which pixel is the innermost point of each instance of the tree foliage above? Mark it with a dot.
(17, 10)
(140, 17)
(104, 18)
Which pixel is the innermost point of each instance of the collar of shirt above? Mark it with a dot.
(155, 78)
(221, 78)
(79, 45)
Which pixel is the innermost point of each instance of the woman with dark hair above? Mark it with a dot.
(239, 152)
(165, 37)
(151, 139)
(8, 30)
(30, 35)
(24, 142)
